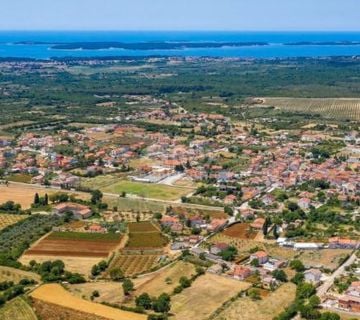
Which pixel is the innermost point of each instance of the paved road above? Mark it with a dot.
(321, 291)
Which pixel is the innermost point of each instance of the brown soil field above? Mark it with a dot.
(240, 231)
(57, 295)
(205, 296)
(264, 309)
(73, 248)
(157, 282)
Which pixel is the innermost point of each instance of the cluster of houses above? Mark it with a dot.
(350, 301)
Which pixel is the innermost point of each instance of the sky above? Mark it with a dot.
(241, 15)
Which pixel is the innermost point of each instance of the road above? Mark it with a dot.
(321, 291)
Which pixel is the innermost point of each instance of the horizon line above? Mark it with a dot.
(174, 30)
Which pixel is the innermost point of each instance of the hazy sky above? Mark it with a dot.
(180, 14)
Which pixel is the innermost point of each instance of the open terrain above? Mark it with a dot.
(331, 108)
(240, 231)
(145, 236)
(9, 219)
(58, 296)
(134, 264)
(15, 275)
(74, 244)
(24, 193)
(17, 309)
(110, 292)
(205, 295)
(264, 309)
(166, 279)
(327, 258)
(147, 190)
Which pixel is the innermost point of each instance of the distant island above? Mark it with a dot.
(323, 43)
(141, 45)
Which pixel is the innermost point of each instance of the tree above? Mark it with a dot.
(36, 199)
(128, 286)
(275, 232)
(46, 199)
(305, 290)
(266, 225)
(95, 270)
(280, 275)
(144, 301)
(254, 294)
(162, 303)
(298, 278)
(229, 253)
(96, 196)
(297, 265)
(185, 282)
(228, 210)
(116, 274)
(314, 301)
(255, 262)
(329, 316)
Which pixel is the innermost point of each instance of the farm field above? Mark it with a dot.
(331, 108)
(265, 309)
(24, 194)
(17, 309)
(144, 226)
(147, 190)
(15, 275)
(110, 292)
(9, 219)
(327, 258)
(134, 264)
(135, 205)
(158, 281)
(57, 295)
(80, 265)
(75, 244)
(144, 235)
(206, 294)
(240, 231)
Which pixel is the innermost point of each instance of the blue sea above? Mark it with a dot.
(276, 49)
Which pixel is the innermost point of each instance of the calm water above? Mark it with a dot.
(275, 50)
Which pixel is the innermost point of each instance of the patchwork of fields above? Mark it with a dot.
(331, 108)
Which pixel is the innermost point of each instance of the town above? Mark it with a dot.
(128, 204)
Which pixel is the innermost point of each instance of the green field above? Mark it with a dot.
(147, 190)
(132, 204)
(84, 236)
